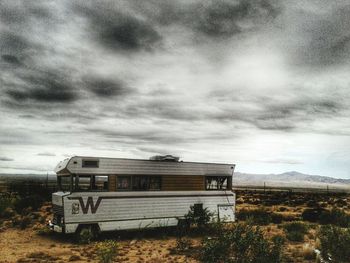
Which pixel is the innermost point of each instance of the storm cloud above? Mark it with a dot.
(261, 83)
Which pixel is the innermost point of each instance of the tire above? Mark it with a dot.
(87, 233)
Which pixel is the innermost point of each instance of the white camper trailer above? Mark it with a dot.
(116, 194)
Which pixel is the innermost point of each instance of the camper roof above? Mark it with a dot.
(159, 165)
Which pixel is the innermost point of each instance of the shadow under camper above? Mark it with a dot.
(117, 194)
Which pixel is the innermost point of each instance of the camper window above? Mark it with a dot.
(140, 183)
(154, 183)
(91, 183)
(216, 182)
(90, 164)
(145, 183)
(83, 183)
(100, 183)
(123, 182)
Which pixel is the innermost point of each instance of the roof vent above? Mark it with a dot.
(167, 158)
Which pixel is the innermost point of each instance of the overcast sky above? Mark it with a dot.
(263, 84)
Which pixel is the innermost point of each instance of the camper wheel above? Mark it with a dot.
(87, 233)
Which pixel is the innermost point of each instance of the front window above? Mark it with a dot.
(216, 183)
(91, 183)
(64, 183)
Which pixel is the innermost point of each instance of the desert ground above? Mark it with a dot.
(33, 243)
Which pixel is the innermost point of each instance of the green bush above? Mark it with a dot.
(199, 217)
(106, 251)
(243, 243)
(334, 243)
(295, 231)
(259, 216)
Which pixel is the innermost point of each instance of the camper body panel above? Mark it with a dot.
(135, 210)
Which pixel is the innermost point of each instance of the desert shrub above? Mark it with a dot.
(308, 252)
(198, 216)
(23, 203)
(312, 203)
(295, 231)
(283, 209)
(106, 251)
(259, 216)
(25, 222)
(6, 203)
(8, 213)
(243, 243)
(312, 214)
(336, 217)
(43, 231)
(183, 243)
(276, 218)
(334, 243)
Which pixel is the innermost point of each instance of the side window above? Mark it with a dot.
(216, 183)
(123, 182)
(90, 163)
(140, 183)
(83, 183)
(100, 183)
(155, 183)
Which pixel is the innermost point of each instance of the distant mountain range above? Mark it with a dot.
(289, 179)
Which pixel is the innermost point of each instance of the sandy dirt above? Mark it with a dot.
(28, 246)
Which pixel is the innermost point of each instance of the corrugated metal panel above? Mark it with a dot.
(145, 167)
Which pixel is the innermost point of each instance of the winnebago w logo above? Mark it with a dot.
(89, 203)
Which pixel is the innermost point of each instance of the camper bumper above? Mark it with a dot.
(57, 229)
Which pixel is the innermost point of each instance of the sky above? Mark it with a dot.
(263, 84)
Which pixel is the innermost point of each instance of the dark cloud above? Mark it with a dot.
(226, 18)
(44, 87)
(106, 87)
(11, 59)
(329, 39)
(212, 18)
(5, 159)
(120, 31)
(19, 12)
(46, 154)
(12, 44)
